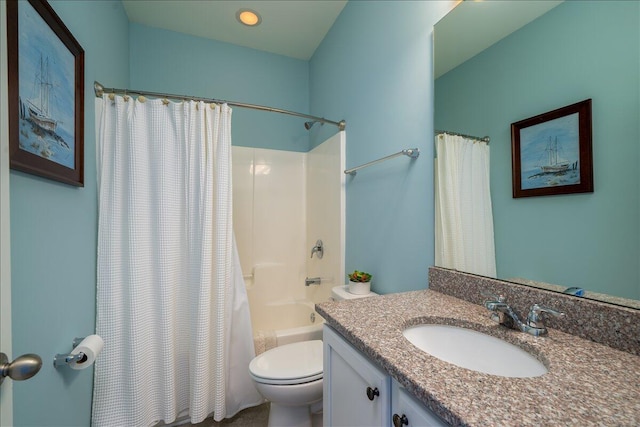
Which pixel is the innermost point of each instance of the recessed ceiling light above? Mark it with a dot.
(248, 17)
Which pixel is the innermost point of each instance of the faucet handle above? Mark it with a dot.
(493, 304)
(494, 297)
(318, 248)
(535, 319)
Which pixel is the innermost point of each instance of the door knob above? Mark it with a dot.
(372, 393)
(23, 368)
(399, 421)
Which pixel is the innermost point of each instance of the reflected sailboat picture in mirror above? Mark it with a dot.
(553, 53)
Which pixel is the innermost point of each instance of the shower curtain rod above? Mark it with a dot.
(100, 90)
(477, 138)
(409, 152)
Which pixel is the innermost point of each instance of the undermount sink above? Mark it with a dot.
(474, 350)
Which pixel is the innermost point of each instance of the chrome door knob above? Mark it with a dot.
(23, 368)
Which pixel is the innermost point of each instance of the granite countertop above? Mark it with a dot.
(587, 383)
(625, 302)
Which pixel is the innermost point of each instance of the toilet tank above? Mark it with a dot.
(340, 293)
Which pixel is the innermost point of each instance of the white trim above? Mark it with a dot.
(6, 390)
(343, 207)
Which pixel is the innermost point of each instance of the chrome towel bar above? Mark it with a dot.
(409, 152)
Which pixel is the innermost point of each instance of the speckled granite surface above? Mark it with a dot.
(587, 383)
(617, 327)
(631, 303)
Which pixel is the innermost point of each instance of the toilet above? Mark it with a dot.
(290, 377)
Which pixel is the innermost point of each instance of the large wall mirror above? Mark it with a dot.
(574, 50)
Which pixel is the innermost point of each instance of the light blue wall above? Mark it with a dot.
(53, 241)
(54, 226)
(160, 61)
(374, 69)
(579, 50)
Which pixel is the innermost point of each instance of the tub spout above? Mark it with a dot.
(312, 281)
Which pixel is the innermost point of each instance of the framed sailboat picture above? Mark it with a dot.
(46, 93)
(551, 153)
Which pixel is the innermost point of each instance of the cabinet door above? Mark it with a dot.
(356, 392)
(409, 412)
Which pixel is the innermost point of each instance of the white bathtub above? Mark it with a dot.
(284, 323)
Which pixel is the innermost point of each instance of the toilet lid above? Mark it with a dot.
(295, 363)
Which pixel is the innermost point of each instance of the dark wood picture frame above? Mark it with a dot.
(539, 168)
(41, 141)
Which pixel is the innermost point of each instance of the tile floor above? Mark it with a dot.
(250, 417)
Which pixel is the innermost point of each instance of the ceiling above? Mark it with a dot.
(473, 26)
(308, 20)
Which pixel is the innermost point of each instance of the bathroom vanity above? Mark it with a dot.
(359, 393)
(373, 373)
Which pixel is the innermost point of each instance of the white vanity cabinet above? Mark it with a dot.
(359, 393)
(356, 392)
(406, 410)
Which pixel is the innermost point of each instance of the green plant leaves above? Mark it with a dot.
(360, 276)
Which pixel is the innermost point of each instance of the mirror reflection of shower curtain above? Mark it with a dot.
(464, 237)
(171, 302)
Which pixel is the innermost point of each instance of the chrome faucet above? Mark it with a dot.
(318, 249)
(312, 281)
(502, 313)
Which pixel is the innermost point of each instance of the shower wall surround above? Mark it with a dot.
(283, 203)
(325, 214)
(268, 217)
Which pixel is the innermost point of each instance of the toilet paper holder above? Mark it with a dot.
(61, 359)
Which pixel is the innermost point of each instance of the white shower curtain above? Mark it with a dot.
(464, 238)
(171, 302)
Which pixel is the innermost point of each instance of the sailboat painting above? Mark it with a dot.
(551, 153)
(46, 90)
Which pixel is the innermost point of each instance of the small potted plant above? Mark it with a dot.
(359, 282)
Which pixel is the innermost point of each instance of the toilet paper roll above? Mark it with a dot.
(91, 346)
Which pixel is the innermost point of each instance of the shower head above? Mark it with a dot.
(309, 125)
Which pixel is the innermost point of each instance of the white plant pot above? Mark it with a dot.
(359, 288)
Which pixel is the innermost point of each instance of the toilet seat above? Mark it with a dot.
(296, 363)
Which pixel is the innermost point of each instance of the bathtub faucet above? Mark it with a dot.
(318, 249)
(312, 281)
